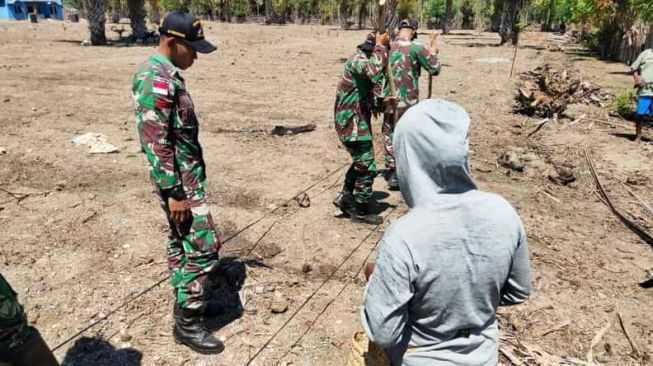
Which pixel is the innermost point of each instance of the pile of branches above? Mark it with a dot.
(546, 92)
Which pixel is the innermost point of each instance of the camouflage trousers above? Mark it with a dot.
(13, 322)
(388, 131)
(360, 176)
(192, 250)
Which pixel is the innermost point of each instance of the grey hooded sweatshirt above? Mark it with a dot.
(445, 267)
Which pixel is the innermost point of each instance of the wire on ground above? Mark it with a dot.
(157, 283)
(310, 297)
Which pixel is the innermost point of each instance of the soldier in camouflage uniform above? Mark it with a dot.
(168, 131)
(406, 58)
(20, 344)
(353, 112)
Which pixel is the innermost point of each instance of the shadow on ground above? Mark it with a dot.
(89, 351)
(222, 294)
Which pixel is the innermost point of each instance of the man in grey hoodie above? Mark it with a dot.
(445, 267)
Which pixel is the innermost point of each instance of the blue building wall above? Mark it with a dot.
(19, 10)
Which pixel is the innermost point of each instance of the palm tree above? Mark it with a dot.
(95, 14)
(137, 18)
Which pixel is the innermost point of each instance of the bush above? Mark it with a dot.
(624, 103)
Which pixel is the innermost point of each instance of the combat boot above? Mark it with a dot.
(32, 352)
(189, 330)
(393, 181)
(210, 310)
(344, 201)
(360, 213)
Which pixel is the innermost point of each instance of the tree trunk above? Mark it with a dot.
(226, 11)
(343, 14)
(497, 15)
(551, 16)
(362, 8)
(137, 18)
(116, 10)
(448, 16)
(509, 29)
(155, 14)
(95, 14)
(269, 12)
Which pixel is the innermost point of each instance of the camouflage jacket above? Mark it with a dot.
(13, 323)
(407, 58)
(167, 127)
(355, 95)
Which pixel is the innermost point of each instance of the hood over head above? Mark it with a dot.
(431, 149)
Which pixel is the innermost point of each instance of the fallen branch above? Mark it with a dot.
(597, 338)
(19, 196)
(630, 340)
(539, 125)
(282, 130)
(556, 328)
(629, 223)
(580, 118)
(514, 360)
(646, 207)
(550, 195)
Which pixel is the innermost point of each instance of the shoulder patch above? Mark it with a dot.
(160, 86)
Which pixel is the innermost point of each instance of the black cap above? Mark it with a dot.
(368, 45)
(187, 27)
(407, 23)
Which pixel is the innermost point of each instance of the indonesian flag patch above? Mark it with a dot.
(160, 86)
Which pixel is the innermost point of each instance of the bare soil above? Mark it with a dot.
(90, 234)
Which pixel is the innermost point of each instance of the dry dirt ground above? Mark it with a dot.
(90, 235)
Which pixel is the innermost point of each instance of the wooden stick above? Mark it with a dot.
(597, 338)
(630, 340)
(556, 328)
(434, 40)
(643, 234)
(514, 58)
(514, 360)
(539, 125)
(550, 196)
(646, 207)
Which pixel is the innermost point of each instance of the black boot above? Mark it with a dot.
(190, 331)
(344, 201)
(393, 181)
(32, 352)
(360, 213)
(210, 310)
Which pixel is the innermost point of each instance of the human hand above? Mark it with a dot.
(179, 210)
(369, 268)
(383, 39)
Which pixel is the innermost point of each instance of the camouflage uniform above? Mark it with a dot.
(406, 58)
(13, 323)
(168, 130)
(353, 113)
